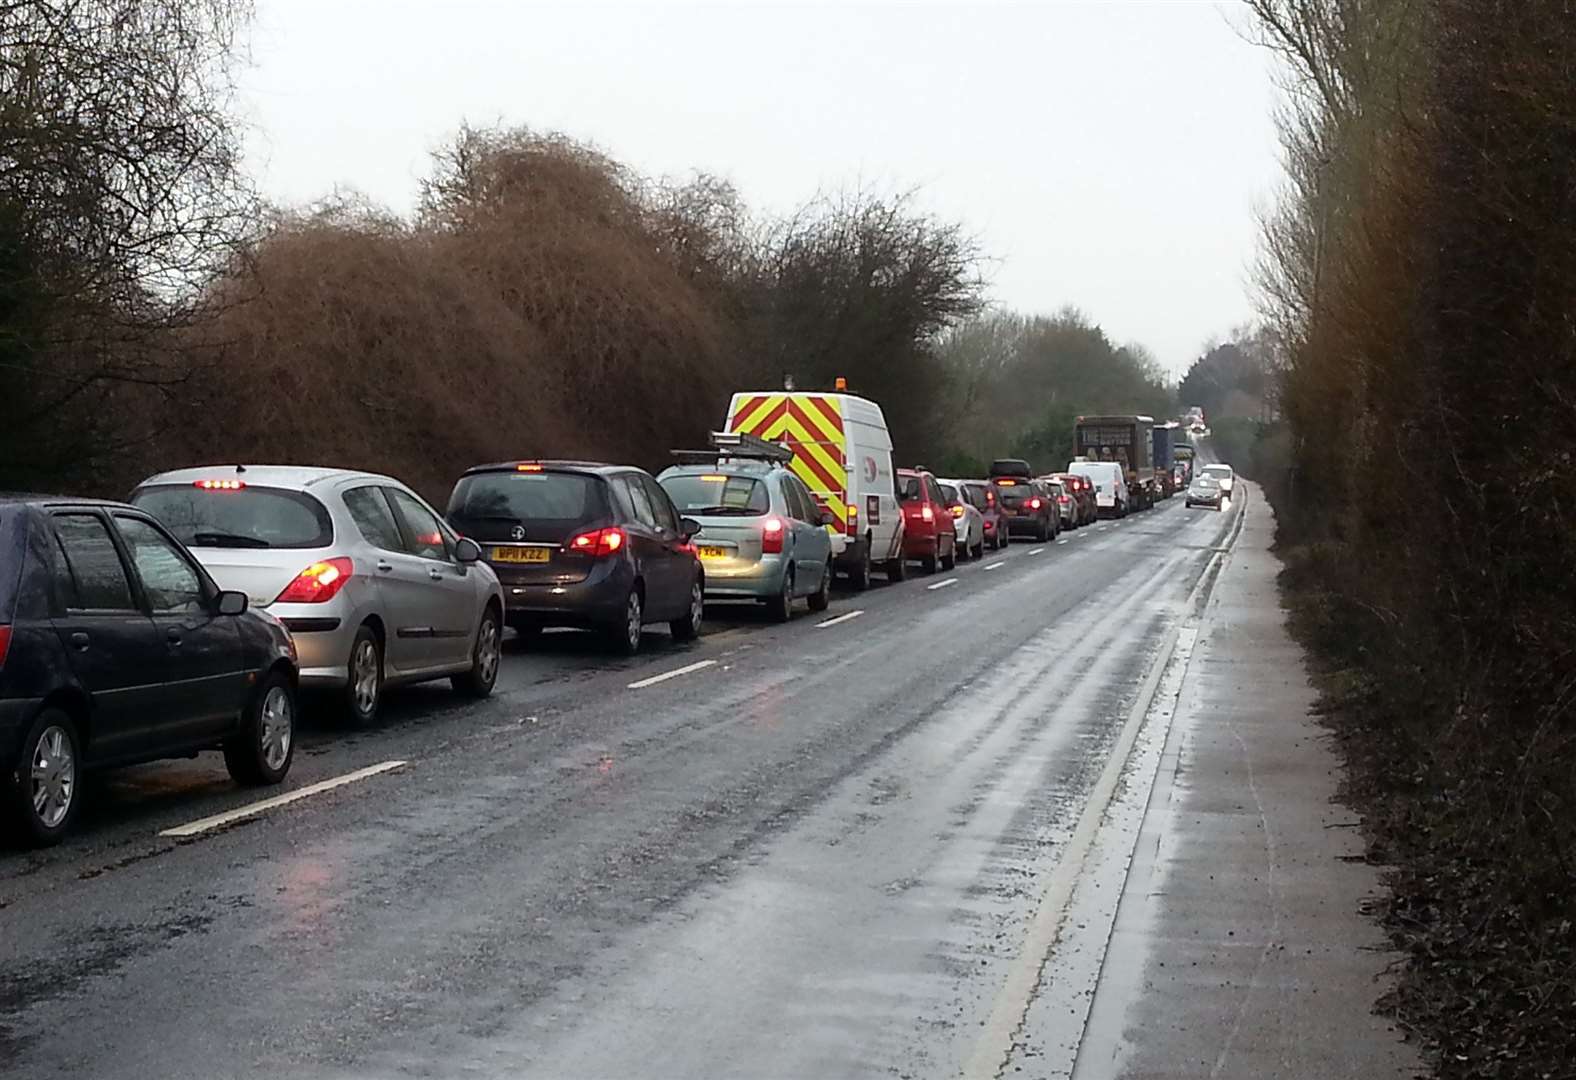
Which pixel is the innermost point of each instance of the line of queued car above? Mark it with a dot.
(188, 617)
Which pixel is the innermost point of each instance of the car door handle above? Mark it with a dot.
(173, 636)
(434, 573)
(384, 566)
(80, 641)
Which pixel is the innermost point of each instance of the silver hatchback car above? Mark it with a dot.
(375, 587)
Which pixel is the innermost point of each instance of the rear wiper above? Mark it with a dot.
(725, 511)
(224, 539)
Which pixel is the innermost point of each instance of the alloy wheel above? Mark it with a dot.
(54, 776)
(278, 727)
(364, 676)
(488, 645)
(633, 621)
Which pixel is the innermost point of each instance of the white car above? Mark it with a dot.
(968, 522)
(1224, 475)
(373, 584)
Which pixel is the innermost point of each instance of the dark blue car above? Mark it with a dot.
(116, 648)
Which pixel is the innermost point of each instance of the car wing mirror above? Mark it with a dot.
(688, 527)
(828, 518)
(231, 602)
(467, 550)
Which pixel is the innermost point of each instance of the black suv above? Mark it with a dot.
(116, 648)
(586, 545)
(1027, 505)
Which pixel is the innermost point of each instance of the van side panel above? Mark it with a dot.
(811, 425)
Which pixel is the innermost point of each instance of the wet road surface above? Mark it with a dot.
(818, 854)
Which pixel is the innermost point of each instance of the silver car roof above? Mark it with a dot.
(299, 477)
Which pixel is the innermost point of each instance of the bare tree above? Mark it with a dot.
(119, 195)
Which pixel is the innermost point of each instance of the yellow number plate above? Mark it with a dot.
(520, 555)
(714, 553)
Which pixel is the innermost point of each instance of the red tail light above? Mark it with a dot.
(990, 525)
(5, 643)
(1034, 504)
(597, 543)
(317, 583)
(1063, 499)
(772, 536)
(957, 511)
(926, 513)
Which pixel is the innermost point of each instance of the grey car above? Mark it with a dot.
(762, 534)
(376, 589)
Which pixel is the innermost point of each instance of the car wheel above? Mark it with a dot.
(949, 561)
(364, 690)
(485, 656)
(979, 550)
(44, 791)
(623, 637)
(263, 749)
(859, 577)
(896, 569)
(781, 606)
(687, 626)
(821, 599)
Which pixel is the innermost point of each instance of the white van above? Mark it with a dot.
(843, 453)
(1110, 485)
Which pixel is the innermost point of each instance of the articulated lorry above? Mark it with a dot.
(1128, 440)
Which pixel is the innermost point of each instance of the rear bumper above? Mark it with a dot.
(921, 547)
(596, 601)
(744, 580)
(1026, 526)
(323, 639)
(15, 715)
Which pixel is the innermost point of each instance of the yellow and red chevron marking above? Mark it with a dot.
(813, 429)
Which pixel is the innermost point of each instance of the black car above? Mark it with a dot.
(117, 648)
(1028, 506)
(581, 544)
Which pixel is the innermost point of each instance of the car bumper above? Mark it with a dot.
(596, 601)
(728, 579)
(1026, 526)
(15, 715)
(323, 635)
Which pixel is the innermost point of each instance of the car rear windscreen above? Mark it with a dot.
(714, 494)
(908, 488)
(246, 517)
(951, 493)
(549, 504)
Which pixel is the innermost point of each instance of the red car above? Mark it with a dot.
(928, 535)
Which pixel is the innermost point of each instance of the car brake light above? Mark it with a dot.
(1034, 504)
(597, 543)
(926, 513)
(528, 468)
(990, 525)
(219, 485)
(957, 511)
(853, 520)
(772, 536)
(317, 583)
(1063, 499)
(5, 643)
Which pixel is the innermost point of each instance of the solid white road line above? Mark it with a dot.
(942, 584)
(1035, 551)
(675, 673)
(839, 619)
(1062, 541)
(240, 813)
(995, 566)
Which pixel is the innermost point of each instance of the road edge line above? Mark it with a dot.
(262, 806)
(1000, 1031)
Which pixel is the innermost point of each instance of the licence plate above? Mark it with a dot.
(521, 555)
(714, 552)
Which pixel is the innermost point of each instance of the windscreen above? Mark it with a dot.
(246, 517)
(1015, 495)
(715, 494)
(548, 504)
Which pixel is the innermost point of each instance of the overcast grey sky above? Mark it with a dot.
(1107, 154)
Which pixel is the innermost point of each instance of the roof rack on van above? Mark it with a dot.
(737, 444)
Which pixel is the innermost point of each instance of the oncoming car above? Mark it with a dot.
(1224, 475)
(1205, 490)
(375, 588)
(762, 535)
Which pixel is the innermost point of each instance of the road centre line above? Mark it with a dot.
(1059, 542)
(995, 566)
(240, 813)
(1035, 551)
(839, 619)
(942, 584)
(675, 673)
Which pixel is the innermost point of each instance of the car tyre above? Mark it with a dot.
(780, 606)
(261, 752)
(51, 758)
(949, 561)
(896, 569)
(979, 550)
(486, 655)
(687, 626)
(821, 599)
(859, 576)
(623, 637)
(364, 688)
